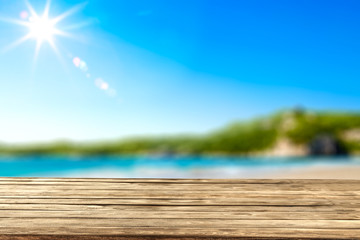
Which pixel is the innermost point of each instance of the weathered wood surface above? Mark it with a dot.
(94, 209)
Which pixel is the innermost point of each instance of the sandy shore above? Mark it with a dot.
(320, 172)
(298, 172)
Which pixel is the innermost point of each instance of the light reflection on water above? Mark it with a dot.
(162, 167)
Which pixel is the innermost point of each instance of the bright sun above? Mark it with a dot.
(42, 28)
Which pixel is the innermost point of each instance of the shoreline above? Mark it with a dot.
(295, 172)
(321, 172)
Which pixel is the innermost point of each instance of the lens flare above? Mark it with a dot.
(104, 86)
(76, 61)
(83, 66)
(100, 83)
(111, 92)
(24, 15)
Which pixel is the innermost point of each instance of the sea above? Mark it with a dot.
(164, 166)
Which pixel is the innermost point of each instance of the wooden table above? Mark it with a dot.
(94, 209)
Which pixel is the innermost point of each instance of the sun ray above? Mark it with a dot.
(79, 25)
(37, 49)
(14, 21)
(62, 33)
(47, 9)
(55, 49)
(31, 9)
(17, 43)
(69, 12)
(53, 46)
(57, 53)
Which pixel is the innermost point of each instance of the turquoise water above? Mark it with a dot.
(161, 167)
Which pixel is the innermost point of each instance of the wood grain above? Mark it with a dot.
(96, 209)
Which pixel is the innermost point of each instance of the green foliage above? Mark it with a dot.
(238, 138)
(242, 138)
(310, 125)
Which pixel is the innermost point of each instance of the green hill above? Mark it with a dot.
(287, 133)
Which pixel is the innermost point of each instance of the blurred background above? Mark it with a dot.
(185, 89)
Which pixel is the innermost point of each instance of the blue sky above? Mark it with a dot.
(185, 66)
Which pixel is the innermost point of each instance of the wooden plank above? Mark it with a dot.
(176, 192)
(185, 201)
(190, 233)
(52, 191)
(179, 202)
(132, 214)
(40, 192)
(189, 187)
(179, 223)
(162, 209)
(41, 208)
